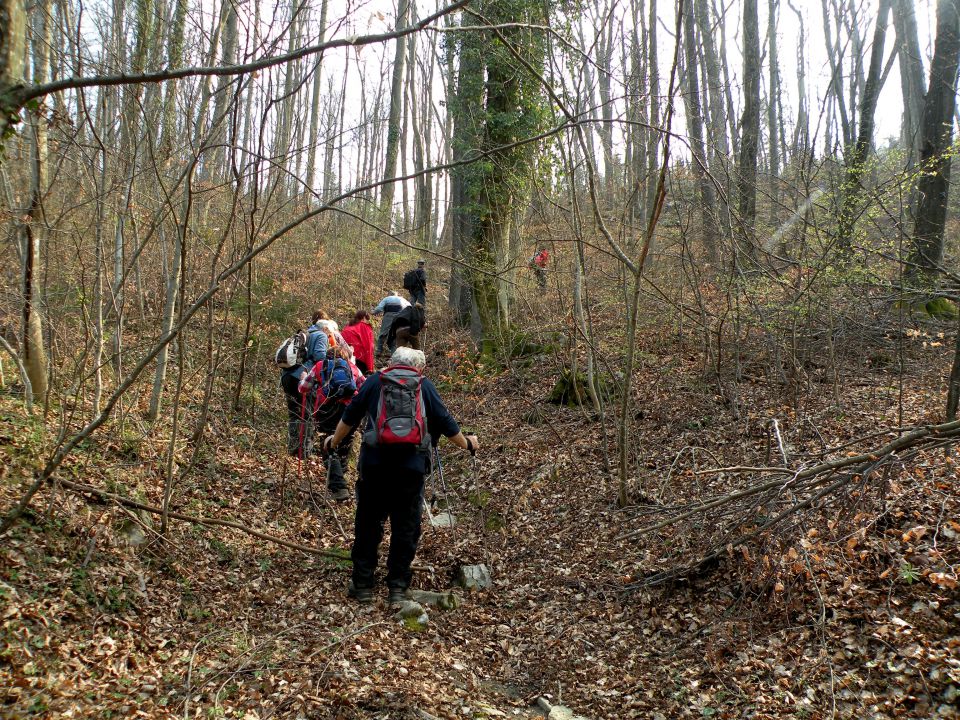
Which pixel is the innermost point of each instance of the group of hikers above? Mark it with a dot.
(332, 387)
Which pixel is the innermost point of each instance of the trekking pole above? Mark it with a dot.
(433, 494)
(446, 493)
(300, 440)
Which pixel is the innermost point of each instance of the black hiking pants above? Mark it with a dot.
(325, 420)
(382, 493)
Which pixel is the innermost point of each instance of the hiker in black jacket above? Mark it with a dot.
(406, 327)
(418, 293)
(391, 478)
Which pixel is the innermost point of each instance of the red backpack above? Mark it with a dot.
(399, 417)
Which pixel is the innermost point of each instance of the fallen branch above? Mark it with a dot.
(197, 520)
(784, 497)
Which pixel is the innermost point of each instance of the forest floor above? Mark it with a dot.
(856, 617)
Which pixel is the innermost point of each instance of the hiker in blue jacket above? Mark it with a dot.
(388, 307)
(391, 479)
(299, 424)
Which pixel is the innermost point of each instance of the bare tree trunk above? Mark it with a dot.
(605, 73)
(801, 136)
(13, 41)
(653, 137)
(172, 297)
(174, 59)
(727, 86)
(466, 94)
(936, 136)
(32, 230)
(911, 79)
(421, 187)
(857, 155)
(694, 107)
(393, 124)
(835, 58)
(281, 152)
(315, 103)
(720, 147)
(217, 165)
(749, 131)
(773, 135)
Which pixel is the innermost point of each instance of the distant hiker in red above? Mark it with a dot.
(539, 265)
(359, 335)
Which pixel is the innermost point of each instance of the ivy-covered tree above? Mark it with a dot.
(513, 110)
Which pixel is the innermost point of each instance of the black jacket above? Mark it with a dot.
(412, 317)
(421, 279)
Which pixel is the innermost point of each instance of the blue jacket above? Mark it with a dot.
(317, 344)
(439, 422)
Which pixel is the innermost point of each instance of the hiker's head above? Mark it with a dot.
(409, 357)
(360, 316)
(421, 262)
(318, 315)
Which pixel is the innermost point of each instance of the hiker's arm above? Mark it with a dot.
(353, 413)
(339, 434)
(466, 442)
(441, 421)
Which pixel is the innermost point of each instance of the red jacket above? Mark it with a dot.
(360, 338)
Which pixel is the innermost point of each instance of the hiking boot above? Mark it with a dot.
(397, 596)
(340, 494)
(360, 594)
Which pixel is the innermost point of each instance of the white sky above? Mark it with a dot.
(371, 16)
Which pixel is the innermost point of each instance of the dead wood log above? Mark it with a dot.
(792, 492)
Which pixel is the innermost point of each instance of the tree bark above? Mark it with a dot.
(315, 103)
(936, 136)
(32, 229)
(463, 103)
(694, 107)
(13, 38)
(749, 131)
(714, 95)
(217, 166)
(393, 123)
(857, 155)
(773, 134)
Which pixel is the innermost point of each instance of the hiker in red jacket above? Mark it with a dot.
(359, 335)
(539, 265)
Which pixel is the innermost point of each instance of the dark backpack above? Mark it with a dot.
(399, 414)
(293, 351)
(411, 281)
(336, 380)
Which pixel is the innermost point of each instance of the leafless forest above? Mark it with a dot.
(718, 474)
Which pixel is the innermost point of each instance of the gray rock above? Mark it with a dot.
(443, 519)
(412, 614)
(557, 712)
(445, 601)
(474, 577)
